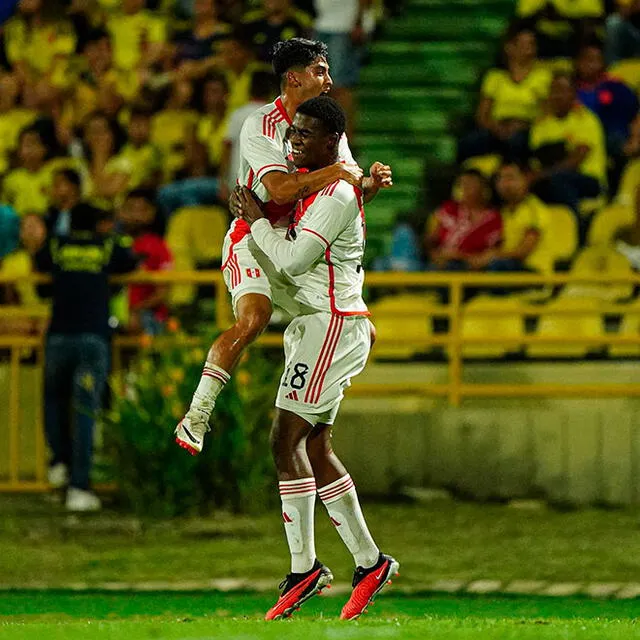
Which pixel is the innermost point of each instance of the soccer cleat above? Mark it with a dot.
(297, 588)
(79, 500)
(367, 583)
(190, 434)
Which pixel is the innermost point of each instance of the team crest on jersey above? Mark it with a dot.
(253, 273)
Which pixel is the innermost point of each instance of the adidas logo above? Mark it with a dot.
(292, 396)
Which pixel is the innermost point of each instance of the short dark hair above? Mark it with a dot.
(297, 52)
(144, 194)
(569, 76)
(263, 85)
(328, 111)
(140, 111)
(521, 165)
(95, 35)
(476, 173)
(85, 217)
(70, 175)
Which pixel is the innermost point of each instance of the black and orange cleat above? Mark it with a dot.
(297, 588)
(367, 583)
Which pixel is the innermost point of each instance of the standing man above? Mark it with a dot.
(77, 349)
(266, 168)
(325, 346)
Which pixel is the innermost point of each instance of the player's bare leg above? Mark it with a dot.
(298, 494)
(253, 312)
(338, 493)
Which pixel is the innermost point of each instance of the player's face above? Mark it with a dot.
(315, 79)
(310, 143)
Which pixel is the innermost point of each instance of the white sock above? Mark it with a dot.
(341, 500)
(298, 502)
(211, 384)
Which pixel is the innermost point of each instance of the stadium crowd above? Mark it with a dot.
(556, 136)
(135, 107)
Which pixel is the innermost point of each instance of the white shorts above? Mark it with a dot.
(246, 269)
(322, 353)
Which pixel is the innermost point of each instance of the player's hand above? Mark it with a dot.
(381, 175)
(235, 206)
(251, 210)
(352, 173)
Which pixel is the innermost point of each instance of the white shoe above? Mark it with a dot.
(80, 500)
(58, 475)
(190, 433)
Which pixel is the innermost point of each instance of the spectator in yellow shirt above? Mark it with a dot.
(26, 188)
(510, 100)
(525, 225)
(138, 36)
(569, 146)
(144, 156)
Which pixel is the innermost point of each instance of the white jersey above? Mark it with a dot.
(264, 147)
(335, 217)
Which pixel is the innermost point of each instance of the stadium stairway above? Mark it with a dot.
(418, 86)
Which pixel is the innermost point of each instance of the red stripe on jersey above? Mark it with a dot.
(332, 291)
(323, 360)
(271, 166)
(328, 360)
(315, 233)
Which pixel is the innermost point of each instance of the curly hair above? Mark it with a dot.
(328, 111)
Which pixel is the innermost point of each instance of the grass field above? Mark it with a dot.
(60, 615)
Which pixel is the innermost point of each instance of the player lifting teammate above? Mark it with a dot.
(325, 346)
(266, 169)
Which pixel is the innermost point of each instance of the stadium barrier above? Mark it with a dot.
(21, 391)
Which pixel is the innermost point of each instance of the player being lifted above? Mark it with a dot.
(266, 168)
(325, 346)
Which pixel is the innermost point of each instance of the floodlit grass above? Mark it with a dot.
(450, 540)
(57, 616)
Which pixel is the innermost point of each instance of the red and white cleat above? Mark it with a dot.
(297, 588)
(190, 434)
(367, 583)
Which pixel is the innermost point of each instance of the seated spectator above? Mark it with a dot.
(148, 311)
(26, 187)
(277, 20)
(264, 86)
(623, 32)
(560, 24)
(110, 173)
(405, 248)
(38, 44)
(631, 177)
(467, 229)
(615, 104)
(510, 100)
(9, 230)
(66, 193)
(342, 25)
(145, 157)
(13, 118)
(138, 36)
(628, 240)
(173, 126)
(77, 349)
(526, 222)
(101, 86)
(197, 183)
(569, 147)
(238, 62)
(201, 41)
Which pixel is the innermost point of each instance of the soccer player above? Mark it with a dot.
(325, 346)
(266, 167)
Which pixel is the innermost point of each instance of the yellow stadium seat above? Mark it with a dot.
(563, 232)
(607, 223)
(628, 71)
(584, 322)
(630, 327)
(407, 317)
(629, 184)
(195, 235)
(599, 261)
(477, 323)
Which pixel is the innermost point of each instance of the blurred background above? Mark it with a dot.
(502, 263)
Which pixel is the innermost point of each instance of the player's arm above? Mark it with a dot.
(292, 257)
(289, 187)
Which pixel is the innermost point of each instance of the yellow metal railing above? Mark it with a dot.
(455, 389)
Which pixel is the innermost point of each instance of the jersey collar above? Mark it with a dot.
(282, 110)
